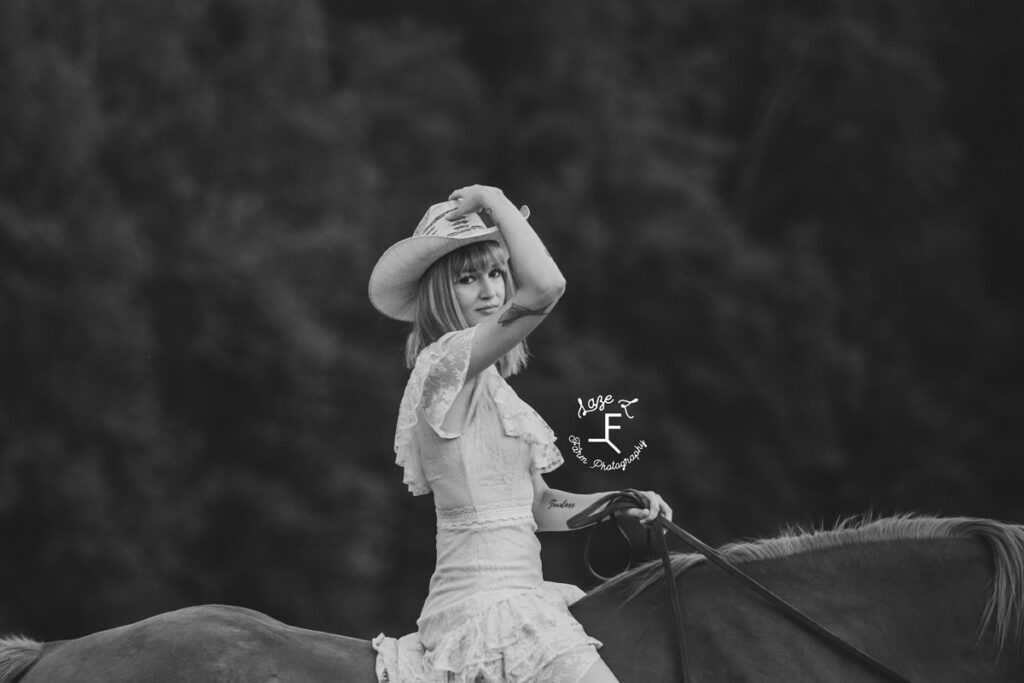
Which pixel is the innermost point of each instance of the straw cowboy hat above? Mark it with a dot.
(396, 277)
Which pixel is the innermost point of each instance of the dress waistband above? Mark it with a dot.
(497, 514)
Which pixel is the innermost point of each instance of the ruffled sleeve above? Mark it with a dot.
(518, 419)
(435, 381)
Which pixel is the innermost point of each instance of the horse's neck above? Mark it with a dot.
(916, 606)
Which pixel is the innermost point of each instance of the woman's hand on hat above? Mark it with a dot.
(475, 198)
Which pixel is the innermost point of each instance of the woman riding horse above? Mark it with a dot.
(940, 600)
(473, 292)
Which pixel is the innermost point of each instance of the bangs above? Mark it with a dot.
(437, 311)
(479, 256)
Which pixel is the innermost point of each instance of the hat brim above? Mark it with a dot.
(396, 277)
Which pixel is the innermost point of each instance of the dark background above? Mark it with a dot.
(791, 230)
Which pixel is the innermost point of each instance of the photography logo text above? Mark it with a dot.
(614, 414)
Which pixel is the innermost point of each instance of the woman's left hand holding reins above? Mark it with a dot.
(656, 505)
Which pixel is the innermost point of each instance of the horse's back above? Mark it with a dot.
(208, 643)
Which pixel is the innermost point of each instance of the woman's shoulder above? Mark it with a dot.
(455, 343)
(440, 373)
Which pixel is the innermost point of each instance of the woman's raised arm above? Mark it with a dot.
(539, 282)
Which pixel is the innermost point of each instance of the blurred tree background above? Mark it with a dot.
(792, 230)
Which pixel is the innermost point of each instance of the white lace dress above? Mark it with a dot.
(489, 615)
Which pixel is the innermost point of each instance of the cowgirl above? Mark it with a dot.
(465, 436)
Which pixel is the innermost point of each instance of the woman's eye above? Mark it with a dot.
(496, 273)
(465, 280)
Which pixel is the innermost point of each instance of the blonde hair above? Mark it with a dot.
(438, 311)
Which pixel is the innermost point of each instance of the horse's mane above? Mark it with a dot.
(16, 655)
(1005, 607)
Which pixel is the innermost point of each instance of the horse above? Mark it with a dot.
(939, 600)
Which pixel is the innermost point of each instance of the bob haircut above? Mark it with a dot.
(437, 309)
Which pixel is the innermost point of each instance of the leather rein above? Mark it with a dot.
(608, 505)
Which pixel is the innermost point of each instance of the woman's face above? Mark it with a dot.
(480, 292)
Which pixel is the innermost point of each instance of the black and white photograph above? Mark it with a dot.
(564, 341)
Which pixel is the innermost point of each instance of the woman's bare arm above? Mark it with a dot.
(553, 508)
(539, 282)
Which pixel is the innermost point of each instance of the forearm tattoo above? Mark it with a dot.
(561, 504)
(515, 312)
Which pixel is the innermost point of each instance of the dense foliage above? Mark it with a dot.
(790, 230)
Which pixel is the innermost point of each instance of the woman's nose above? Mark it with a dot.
(487, 289)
